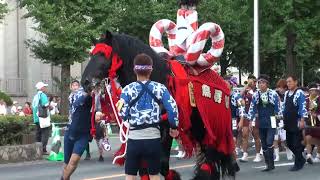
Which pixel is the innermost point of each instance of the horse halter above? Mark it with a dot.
(102, 48)
(107, 51)
(116, 63)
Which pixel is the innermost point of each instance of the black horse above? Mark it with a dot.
(127, 47)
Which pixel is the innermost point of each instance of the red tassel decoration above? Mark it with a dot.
(206, 167)
(172, 175)
(164, 117)
(145, 177)
(93, 128)
(120, 161)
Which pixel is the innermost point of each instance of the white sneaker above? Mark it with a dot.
(237, 151)
(316, 160)
(289, 154)
(257, 158)
(276, 154)
(181, 154)
(309, 159)
(244, 157)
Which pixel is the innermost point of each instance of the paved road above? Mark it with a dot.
(94, 170)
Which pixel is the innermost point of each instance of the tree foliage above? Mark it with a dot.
(66, 28)
(235, 19)
(286, 24)
(3, 10)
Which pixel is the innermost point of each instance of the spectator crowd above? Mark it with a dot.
(286, 118)
(17, 109)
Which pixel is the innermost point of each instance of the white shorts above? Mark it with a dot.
(281, 133)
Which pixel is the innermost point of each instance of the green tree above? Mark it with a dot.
(289, 36)
(3, 10)
(65, 27)
(235, 19)
(134, 17)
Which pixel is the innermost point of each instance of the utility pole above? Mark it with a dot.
(302, 74)
(256, 61)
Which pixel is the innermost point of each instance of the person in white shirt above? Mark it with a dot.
(54, 105)
(20, 111)
(14, 110)
(3, 107)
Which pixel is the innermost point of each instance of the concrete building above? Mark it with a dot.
(19, 70)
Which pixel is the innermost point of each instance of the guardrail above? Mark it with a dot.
(17, 86)
(13, 86)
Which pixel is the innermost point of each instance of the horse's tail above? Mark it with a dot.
(212, 165)
(172, 175)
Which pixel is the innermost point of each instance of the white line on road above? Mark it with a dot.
(277, 165)
(122, 175)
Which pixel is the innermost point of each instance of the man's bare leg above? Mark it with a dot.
(71, 167)
(130, 177)
(63, 169)
(276, 149)
(245, 139)
(308, 144)
(317, 159)
(315, 141)
(154, 177)
(256, 137)
(64, 166)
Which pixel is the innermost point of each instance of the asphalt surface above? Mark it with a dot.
(94, 170)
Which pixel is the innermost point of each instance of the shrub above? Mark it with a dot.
(59, 119)
(6, 98)
(12, 128)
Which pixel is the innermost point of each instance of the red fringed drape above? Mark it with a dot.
(178, 86)
(215, 116)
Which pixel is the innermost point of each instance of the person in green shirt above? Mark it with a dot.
(42, 134)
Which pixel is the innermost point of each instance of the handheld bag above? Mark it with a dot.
(43, 114)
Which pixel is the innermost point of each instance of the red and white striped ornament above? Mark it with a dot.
(184, 38)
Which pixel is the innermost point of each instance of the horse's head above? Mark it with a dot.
(124, 48)
(100, 62)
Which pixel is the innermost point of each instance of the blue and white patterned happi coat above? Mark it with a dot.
(75, 99)
(146, 110)
(299, 100)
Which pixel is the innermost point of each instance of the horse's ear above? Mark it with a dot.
(93, 40)
(108, 35)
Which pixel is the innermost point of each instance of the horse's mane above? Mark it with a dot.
(127, 48)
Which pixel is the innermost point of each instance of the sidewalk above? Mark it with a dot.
(114, 141)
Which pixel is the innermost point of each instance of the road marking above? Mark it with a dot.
(122, 175)
(177, 167)
(277, 165)
(107, 177)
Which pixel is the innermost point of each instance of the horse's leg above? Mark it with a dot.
(203, 167)
(166, 142)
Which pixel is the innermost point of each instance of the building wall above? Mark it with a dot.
(19, 70)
